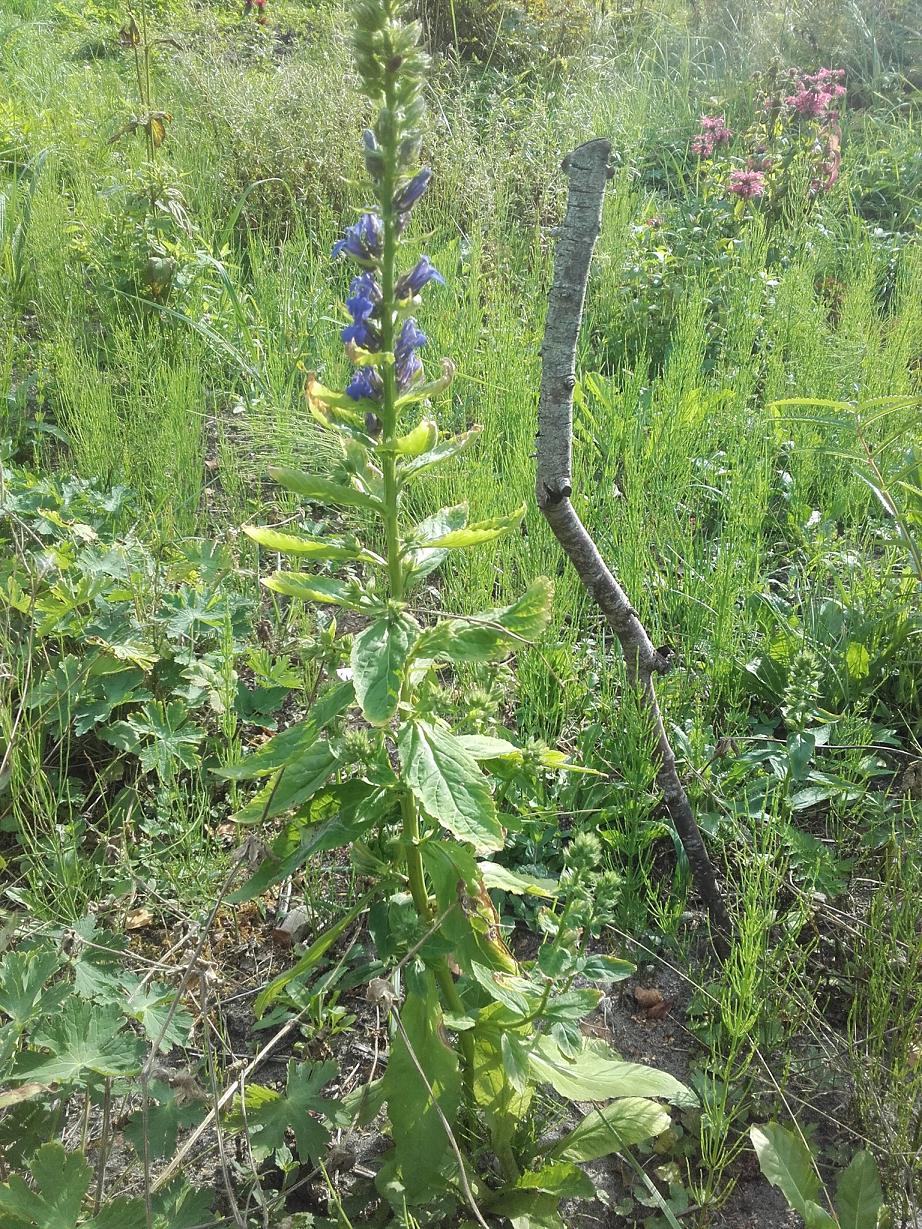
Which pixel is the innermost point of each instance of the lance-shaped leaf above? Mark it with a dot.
(597, 1074)
(423, 558)
(496, 876)
(299, 781)
(292, 743)
(443, 451)
(610, 1128)
(379, 655)
(493, 634)
(480, 531)
(310, 546)
(420, 1142)
(324, 589)
(322, 490)
(447, 782)
(786, 1162)
(336, 817)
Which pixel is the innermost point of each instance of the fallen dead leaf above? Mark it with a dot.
(137, 919)
(647, 997)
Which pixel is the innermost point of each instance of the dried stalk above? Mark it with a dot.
(587, 170)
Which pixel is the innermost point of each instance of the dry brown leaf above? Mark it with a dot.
(647, 997)
(137, 919)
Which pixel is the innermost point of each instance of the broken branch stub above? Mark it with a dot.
(587, 170)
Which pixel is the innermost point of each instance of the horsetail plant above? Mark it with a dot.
(376, 765)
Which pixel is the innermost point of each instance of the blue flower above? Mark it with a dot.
(365, 383)
(364, 241)
(409, 194)
(407, 362)
(365, 294)
(419, 276)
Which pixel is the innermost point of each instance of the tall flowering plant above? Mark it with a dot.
(376, 765)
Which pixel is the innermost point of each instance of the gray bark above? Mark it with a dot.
(587, 170)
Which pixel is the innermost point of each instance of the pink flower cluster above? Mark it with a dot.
(714, 132)
(816, 94)
(747, 185)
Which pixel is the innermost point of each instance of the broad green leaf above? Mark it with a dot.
(290, 744)
(525, 1209)
(610, 1128)
(322, 490)
(449, 785)
(436, 526)
(179, 1206)
(314, 953)
(595, 1074)
(151, 1005)
(298, 781)
(336, 817)
(816, 1217)
(423, 438)
(24, 990)
(309, 546)
(443, 451)
(493, 634)
(83, 1039)
(503, 1105)
(480, 532)
(517, 994)
(420, 1142)
(496, 876)
(786, 1162)
(61, 1181)
(379, 655)
(562, 1179)
(266, 1114)
(473, 931)
(483, 747)
(325, 589)
(859, 1197)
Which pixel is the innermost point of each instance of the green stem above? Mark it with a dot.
(395, 571)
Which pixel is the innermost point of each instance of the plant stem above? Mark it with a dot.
(395, 571)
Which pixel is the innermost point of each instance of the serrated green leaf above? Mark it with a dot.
(160, 1127)
(447, 782)
(495, 876)
(180, 1206)
(292, 743)
(24, 990)
(480, 532)
(151, 1005)
(379, 656)
(610, 1128)
(786, 1162)
(493, 634)
(308, 546)
(266, 1115)
(322, 490)
(324, 589)
(443, 451)
(83, 1039)
(596, 1074)
(61, 1180)
(859, 1197)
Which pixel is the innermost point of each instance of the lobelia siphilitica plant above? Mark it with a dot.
(376, 765)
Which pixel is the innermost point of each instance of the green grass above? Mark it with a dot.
(742, 530)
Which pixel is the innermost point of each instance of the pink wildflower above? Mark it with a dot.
(716, 127)
(746, 184)
(703, 145)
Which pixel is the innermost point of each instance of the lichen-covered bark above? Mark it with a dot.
(587, 170)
